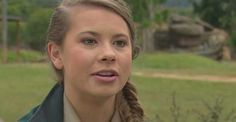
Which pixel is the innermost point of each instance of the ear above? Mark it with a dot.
(54, 53)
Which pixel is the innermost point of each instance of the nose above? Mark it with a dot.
(107, 54)
(108, 59)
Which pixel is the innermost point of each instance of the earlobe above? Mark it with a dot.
(55, 55)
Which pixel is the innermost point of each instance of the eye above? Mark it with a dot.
(89, 41)
(120, 43)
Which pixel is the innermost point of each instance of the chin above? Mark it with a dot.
(106, 92)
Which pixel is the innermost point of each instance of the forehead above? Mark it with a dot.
(79, 8)
(91, 15)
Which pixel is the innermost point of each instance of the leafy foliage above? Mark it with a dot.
(23, 56)
(220, 13)
(34, 16)
(217, 12)
(47, 3)
(141, 8)
(21, 9)
(37, 28)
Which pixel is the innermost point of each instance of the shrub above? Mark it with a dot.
(233, 39)
(214, 112)
(23, 56)
(37, 28)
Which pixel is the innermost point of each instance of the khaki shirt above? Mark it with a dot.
(71, 116)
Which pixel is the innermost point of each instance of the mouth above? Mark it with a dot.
(105, 75)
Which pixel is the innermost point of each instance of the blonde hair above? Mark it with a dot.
(129, 107)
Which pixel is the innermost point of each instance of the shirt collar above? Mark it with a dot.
(71, 116)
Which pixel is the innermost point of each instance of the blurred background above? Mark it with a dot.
(186, 71)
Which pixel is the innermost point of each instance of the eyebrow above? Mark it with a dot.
(89, 32)
(96, 34)
(121, 35)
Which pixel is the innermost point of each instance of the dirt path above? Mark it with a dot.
(209, 78)
(1, 120)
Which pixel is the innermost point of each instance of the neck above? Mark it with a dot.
(92, 109)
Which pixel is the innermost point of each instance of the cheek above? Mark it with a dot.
(78, 59)
(126, 63)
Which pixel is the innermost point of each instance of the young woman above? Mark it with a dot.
(91, 46)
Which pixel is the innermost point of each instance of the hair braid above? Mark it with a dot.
(130, 108)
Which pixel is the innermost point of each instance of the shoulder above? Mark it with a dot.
(50, 110)
(29, 115)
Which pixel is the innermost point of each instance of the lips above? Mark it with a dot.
(106, 73)
(106, 76)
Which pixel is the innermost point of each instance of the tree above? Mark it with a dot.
(35, 16)
(37, 28)
(217, 12)
(144, 12)
(4, 29)
(21, 8)
(220, 13)
(47, 3)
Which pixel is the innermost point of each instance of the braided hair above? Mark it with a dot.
(129, 107)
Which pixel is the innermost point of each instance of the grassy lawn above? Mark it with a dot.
(157, 95)
(184, 63)
(22, 87)
(25, 85)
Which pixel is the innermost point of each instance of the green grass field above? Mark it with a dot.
(25, 85)
(183, 63)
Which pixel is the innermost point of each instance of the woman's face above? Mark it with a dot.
(96, 53)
